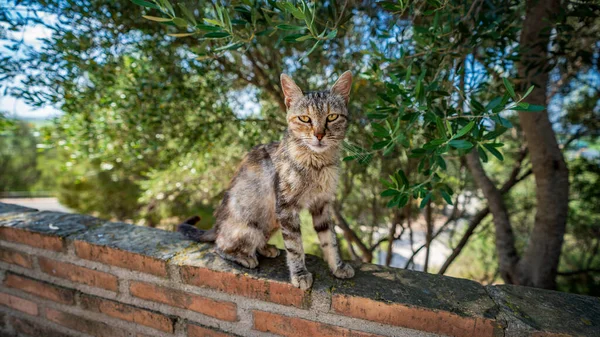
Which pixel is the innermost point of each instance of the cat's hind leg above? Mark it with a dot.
(239, 244)
(247, 261)
(268, 251)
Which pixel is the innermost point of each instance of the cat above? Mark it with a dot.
(275, 181)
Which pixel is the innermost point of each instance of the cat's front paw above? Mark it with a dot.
(303, 281)
(344, 271)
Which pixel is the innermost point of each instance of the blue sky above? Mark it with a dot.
(17, 107)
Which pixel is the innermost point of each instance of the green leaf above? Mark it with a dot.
(290, 27)
(408, 73)
(311, 50)
(180, 34)
(434, 144)
(464, 130)
(389, 193)
(386, 183)
(528, 107)
(304, 38)
(509, 88)
(168, 6)
(403, 200)
(187, 13)
(380, 145)
(292, 37)
(528, 91)
(460, 144)
(441, 162)
(403, 177)
(230, 46)
(216, 35)
(145, 4)
(440, 127)
(493, 104)
(482, 154)
(332, 34)
(157, 19)
(388, 150)
(446, 197)
(179, 22)
(214, 22)
(394, 202)
(494, 152)
(208, 28)
(425, 200)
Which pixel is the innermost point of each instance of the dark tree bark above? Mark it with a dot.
(428, 234)
(539, 263)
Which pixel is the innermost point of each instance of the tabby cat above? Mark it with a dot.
(275, 181)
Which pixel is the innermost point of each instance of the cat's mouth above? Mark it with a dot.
(318, 146)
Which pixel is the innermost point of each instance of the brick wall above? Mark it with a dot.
(73, 275)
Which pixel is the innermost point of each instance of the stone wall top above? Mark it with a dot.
(389, 296)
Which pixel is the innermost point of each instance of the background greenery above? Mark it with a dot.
(158, 111)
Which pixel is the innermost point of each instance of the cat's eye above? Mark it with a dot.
(332, 117)
(304, 119)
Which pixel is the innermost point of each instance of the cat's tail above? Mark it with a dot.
(189, 230)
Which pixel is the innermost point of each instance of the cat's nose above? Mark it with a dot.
(319, 135)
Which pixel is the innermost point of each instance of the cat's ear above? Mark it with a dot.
(291, 91)
(343, 85)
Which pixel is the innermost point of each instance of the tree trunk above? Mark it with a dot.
(538, 266)
(505, 240)
(428, 234)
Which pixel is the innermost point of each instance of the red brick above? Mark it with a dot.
(42, 289)
(298, 327)
(14, 257)
(78, 274)
(127, 313)
(226, 311)
(78, 323)
(33, 239)
(264, 290)
(198, 331)
(120, 258)
(32, 328)
(18, 303)
(422, 319)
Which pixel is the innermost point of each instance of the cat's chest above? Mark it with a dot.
(309, 185)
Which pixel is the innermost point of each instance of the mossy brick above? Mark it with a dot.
(51, 223)
(134, 247)
(546, 312)
(445, 305)
(6, 209)
(46, 230)
(201, 266)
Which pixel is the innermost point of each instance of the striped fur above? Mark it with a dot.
(275, 181)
